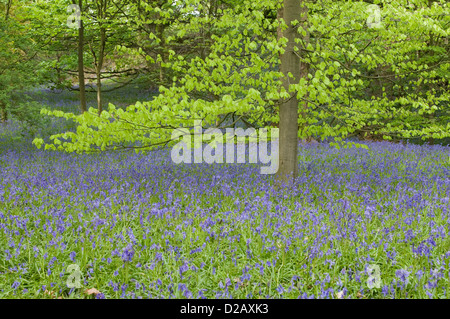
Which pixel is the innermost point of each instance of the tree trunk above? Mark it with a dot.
(161, 28)
(279, 30)
(83, 107)
(290, 63)
(3, 110)
(279, 36)
(3, 113)
(304, 70)
(99, 69)
(8, 8)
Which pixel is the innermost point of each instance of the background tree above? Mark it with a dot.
(338, 57)
(17, 52)
(81, 81)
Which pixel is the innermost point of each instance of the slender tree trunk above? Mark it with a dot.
(99, 93)
(279, 36)
(3, 112)
(162, 74)
(99, 69)
(81, 83)
(8, 8)
(431, 43)
(279, 30)
(290, 63)
(304, 70)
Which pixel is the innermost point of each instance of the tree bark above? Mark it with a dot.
(3, 113)
(279, 36)
(161, 28)
(99, 69)
(8, 8)
(3, 110)
(81, 83)
(304, 70)
(290, 63)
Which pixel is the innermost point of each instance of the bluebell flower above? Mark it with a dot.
(402, 274)
(187, 293)
(183, 268)
(419, 274)
(385, 290)
(128, 253)
(431, 285)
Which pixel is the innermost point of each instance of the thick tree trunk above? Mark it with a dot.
(290, 63)
(83, 107)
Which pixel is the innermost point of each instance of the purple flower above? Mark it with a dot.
(183, 268)
(187, 294)
(182, 287)
(402, 275)
(419, 274)
(128, 253)
(431, 285)
(72, 256)
(200, 294)
(385, 290)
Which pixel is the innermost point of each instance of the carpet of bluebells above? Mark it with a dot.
(139, 226)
